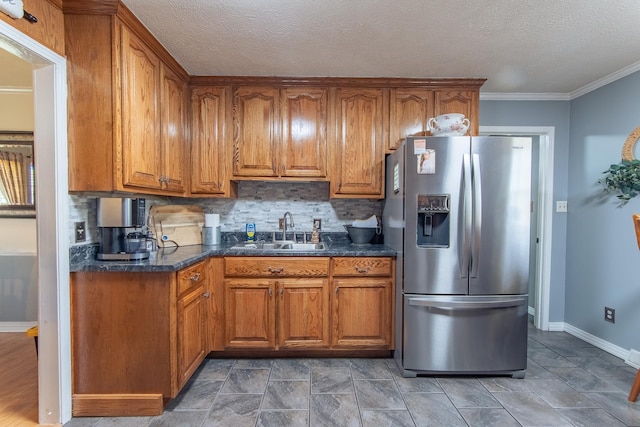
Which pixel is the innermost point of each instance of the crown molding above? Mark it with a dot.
(630, 69)
(617, 75)
(495, 96)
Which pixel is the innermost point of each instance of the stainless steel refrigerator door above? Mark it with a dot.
(466, 334)
(501, 170)
(435, 270)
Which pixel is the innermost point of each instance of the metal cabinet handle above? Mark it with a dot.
(278, 270)
(362, 270)
(281, 291)
(195, 277)
(337, 291)
(206, 294)
(270, 291)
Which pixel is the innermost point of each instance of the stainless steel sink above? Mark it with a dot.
(283, 245)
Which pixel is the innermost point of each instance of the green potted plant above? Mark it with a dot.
(624, 179)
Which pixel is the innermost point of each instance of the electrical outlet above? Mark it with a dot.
(81, 233)
(561, 206)
(610, 315)
(281, 223)
(317, 224)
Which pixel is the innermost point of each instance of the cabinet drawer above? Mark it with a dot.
(358, 266)
(192, 276)
(276, 266)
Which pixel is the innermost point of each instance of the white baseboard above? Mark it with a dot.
(16, 326)
(633, 359)
(598, 342)
(557, 326)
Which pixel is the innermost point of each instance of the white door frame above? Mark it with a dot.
(52, 222)
(545, 212)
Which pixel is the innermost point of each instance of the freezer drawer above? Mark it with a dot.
(465, 334)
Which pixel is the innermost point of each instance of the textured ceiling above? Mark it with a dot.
(528, 46)
(525, 47)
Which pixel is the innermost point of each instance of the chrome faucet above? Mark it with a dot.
(284, 226)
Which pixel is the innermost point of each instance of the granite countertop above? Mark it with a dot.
(177, 258)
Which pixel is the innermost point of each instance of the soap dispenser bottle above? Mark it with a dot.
(315, 236)
(250, 231)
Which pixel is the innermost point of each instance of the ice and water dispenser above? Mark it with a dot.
(433, 220)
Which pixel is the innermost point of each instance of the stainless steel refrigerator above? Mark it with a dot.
(458, 214)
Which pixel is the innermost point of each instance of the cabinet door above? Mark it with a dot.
(358, 155)
(208, 144)
(255, 132)
(361, 313)
(459, 101)
(303, 313)
(409, 111)
(304, 133)
(192, 334)
(250, 313)
(141, 158)
(173, 141)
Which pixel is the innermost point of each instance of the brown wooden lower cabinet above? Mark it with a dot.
(249, 314)
(136, 338)
(361, 313)
(287, 303)
(276, 303)
(303, 313)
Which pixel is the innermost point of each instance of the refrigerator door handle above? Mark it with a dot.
(464, 247)
(477, 216)
(466, 305)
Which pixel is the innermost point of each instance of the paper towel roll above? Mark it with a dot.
(211, 220)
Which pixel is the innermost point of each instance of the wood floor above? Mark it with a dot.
(18, 380)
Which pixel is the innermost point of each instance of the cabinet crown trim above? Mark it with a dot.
(370, 82)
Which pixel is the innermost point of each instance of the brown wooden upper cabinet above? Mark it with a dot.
(127, 122)
(357, 148)
(279, 132)
(210, 119)
(132, 129)
(411, 108)
(153, 119)
(455, 100)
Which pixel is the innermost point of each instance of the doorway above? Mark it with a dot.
(543, 212)
(52, 219)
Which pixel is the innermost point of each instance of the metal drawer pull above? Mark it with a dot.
(467, 305)
(276, 270)
(195, 277)
(362, 269)
(206, 294)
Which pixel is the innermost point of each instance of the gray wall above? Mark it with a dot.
(18, 288)
(603, 261)
(543, 113)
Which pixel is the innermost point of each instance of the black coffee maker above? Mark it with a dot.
(115, 215)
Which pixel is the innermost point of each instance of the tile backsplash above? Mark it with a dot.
(259, 202)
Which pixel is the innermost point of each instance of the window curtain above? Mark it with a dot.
(14, 170)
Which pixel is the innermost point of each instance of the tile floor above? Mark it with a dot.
(568, 383)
